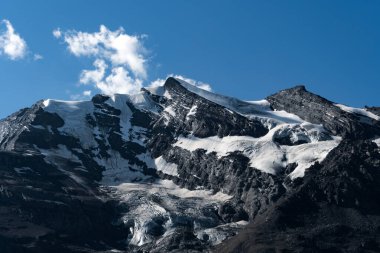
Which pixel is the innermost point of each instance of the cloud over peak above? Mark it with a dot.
(199, 84)
(119, 58)
(11, 43)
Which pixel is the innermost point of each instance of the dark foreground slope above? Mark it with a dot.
(44, 210)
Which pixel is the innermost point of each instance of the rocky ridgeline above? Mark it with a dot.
(111, 174)
(319, 110)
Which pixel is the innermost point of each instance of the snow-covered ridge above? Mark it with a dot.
(75, 114)
(264, 153)
(253, 109)
(140, 100)
(166, 167)
(360, 112)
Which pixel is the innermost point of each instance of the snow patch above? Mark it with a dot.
(218, 234)
(192, 111)
(120, 102)
(62, 152)
(306, 155)
(377, 141)
(170, 111)
(60, 156)
(360, 112)
(46, 102)
(167, 187)
(164, 201)
(140, 100)
(74, 115)
(119, 170)
(166, 167)
(262, 103)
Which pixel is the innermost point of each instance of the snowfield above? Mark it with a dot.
(166, 167)
(264, 154)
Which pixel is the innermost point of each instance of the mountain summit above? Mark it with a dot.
(175, 168)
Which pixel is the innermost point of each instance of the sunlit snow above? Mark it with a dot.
(360, 112)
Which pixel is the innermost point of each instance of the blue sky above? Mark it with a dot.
(246, 49)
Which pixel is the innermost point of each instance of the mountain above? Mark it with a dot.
(176, 168)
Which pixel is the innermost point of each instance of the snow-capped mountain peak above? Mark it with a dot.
(181, 167)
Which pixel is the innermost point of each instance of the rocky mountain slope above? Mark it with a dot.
(176, 168)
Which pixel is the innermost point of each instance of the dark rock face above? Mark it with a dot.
(84, 177)
(212, 118)
(318, 110)
(14, 124)
(373, 109)
(189, 113)
(335, 209)
(253, 190)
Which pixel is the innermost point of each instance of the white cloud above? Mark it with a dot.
(11, 43)
(119, 81)
(115, 46)
(157, 83)
(87, 93)
(120, 64)
(57, 33)
(94, 76)
(37, 57)
(80, 96)
(119, 58)
(76, 97)
(199, 84)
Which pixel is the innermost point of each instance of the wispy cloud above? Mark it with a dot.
(199, 84)
(57, 33)
(119, 58)
(85, 95)
(11, 43)
(37, 57)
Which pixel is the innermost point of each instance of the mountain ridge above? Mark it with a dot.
(203, 165)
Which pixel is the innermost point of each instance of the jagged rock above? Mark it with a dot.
(373, 109)
(179, 169)
(318, 110)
